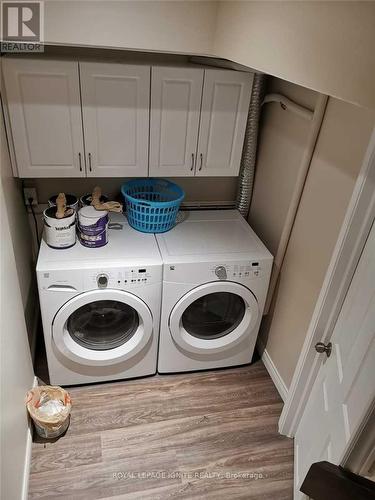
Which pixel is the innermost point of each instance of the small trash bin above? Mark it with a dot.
(49, 408)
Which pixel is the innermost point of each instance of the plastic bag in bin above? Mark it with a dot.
(49, 407)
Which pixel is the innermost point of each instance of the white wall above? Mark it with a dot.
(177, 26)
(333, 172)
(208, 189)
(21, 236)
(326, 46)
(282, 143)
(202, 189)
(16, 371)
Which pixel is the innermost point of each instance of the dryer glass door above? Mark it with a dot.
(102, 327)
(213, 317)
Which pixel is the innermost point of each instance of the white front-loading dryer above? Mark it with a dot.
(101, 307)
(215, 279)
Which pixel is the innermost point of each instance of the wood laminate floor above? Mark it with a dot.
(206, 435)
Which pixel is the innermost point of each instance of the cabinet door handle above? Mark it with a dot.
(90, 167)
(192, 162)
(201, 163)
(80, 161)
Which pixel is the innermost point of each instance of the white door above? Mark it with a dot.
(345, 386)
(175, 108)
(102, 327)
(115, 104)
(213, 317)
(225, 106)
(45, 115)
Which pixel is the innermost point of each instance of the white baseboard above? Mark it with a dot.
(275, 375)
(29, 443)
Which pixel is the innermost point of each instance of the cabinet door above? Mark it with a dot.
(45, 115)
(115, 103)
(225, 105)
(175, 107)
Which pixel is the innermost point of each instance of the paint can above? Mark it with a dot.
(71, 201)
(92, 227)
(86, 199)
(59, 233)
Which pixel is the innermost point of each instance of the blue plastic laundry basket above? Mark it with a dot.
(152, 204)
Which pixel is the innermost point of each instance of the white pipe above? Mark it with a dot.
(316, 124)
(286, 103)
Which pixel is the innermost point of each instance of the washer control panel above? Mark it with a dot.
(122, 278)
(236, 272)
(135, 275)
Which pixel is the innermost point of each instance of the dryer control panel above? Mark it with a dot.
(243, 271)
(236, 272)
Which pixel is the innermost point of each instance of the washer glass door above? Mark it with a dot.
(103, 324)
(213, 317)
(102, 327)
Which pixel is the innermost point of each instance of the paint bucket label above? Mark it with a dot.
(71, 201)
(92, 227)
(59, 233)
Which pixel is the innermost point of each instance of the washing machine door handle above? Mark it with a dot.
(68, 347)
(247, 318)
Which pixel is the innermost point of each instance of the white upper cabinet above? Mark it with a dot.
(198, 121)
(225, 105)
(115, 106)
(175, 109)
(45, 114)
(70, 119)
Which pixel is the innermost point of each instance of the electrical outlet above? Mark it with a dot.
(30, 192)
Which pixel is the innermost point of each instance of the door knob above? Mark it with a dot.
(327, 348)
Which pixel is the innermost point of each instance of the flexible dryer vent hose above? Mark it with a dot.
(247, 169)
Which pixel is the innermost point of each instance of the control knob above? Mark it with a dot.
(221, 272)
(102, 280)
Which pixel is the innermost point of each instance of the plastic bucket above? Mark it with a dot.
(71, 201)
(92, 227)
(49, 407)
(86, 199)
(59, 233)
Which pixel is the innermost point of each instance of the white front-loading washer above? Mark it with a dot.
(216, 274)
(101, 307)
